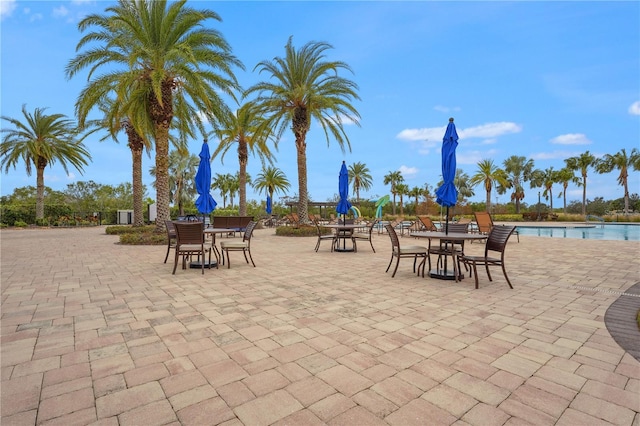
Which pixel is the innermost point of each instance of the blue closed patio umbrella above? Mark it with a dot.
(447, 194)
(343, 189)
(205, 202)
(268, 209)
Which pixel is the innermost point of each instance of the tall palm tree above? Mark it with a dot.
(42, 140)
(545, 179)
(271, 180)
(223, 183)
(306, 87)
(565, 176)
(393, 179)
(360, 178)
(622, 162)
(243, 129)
(462, 184)
(167, 61)
(489, 175)
(582, 163)
(416, 192)
(519, 171)
(182, 172)
(402, 189)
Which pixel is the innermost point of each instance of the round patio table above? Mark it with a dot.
(344, 231)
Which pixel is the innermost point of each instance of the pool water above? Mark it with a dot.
(628, 232)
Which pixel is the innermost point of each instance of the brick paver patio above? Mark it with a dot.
(97, 333)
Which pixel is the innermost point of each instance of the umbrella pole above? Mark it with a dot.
(446, 226)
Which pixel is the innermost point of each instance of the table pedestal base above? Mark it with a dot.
(198, 264)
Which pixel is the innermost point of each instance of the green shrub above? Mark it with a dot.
(20, 224)
(143, 238)
(300, 231)
(129, 229)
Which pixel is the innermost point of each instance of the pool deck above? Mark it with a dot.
(97, 333)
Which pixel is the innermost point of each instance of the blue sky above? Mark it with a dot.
(545, 80)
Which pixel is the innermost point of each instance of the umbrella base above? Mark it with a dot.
(443, 275)
(198, 264)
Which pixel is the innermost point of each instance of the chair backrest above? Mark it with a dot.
(497, 239)
(428, 223)
(484, 222)
(463, 220)
(460, 228)
(395, 242)
(189, 232)
(373, 225)
(171, 230)
(248, 232)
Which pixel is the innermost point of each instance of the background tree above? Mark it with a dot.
(461, 181)
(306, 87)
(623, 162)
(582, 163)
(360, 178)
(416, 192)
(489, 175)
(39, 141)
(223, 183)
(393, 179)
(243, 130)
(402, 189)
(545, 179)
(519, 171)
(565, 176)
(169, 62)
(271, 180)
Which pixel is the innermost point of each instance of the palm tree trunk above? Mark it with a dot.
(488, 201)
(136, 157)
(162, 176)
(242, 175)
(584, 196)
(303, 212)
(40, 190)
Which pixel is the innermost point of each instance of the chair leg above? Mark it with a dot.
(244, 252)
(486, 265)
(203, 258)
(168, 249)
(371, 242)
(228, 260)
(506, 277)
(175, 263)
(317, 245)
(250, 257)
(389, 265)
(396, 268)
(475, 273)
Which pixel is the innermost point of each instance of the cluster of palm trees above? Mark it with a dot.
(516, 171)
(158, 71)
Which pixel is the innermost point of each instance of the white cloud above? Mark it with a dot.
(59, 12)
(571, 139)
(35, 17)
(473, 157)
(634, 108)
(554, 155)
(487, 131)
(408, 172)
(7, 7)
(490, 130)
(442, 108)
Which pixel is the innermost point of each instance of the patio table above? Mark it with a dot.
(344, 231)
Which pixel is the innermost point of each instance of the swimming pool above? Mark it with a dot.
(629, 232)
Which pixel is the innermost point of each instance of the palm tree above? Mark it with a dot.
(582, 163)
(462, 184)
(489, 175)
(271, 180)
(162, 62)
(622, 162)
(360, 178)
(182, 172)
(545, 179)
(565, 176)
(519, 171)
(306, 87)
(416, 192)
(402, 189)
(243, 130)
(223, 183)
(42, 140)
(393, 179)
